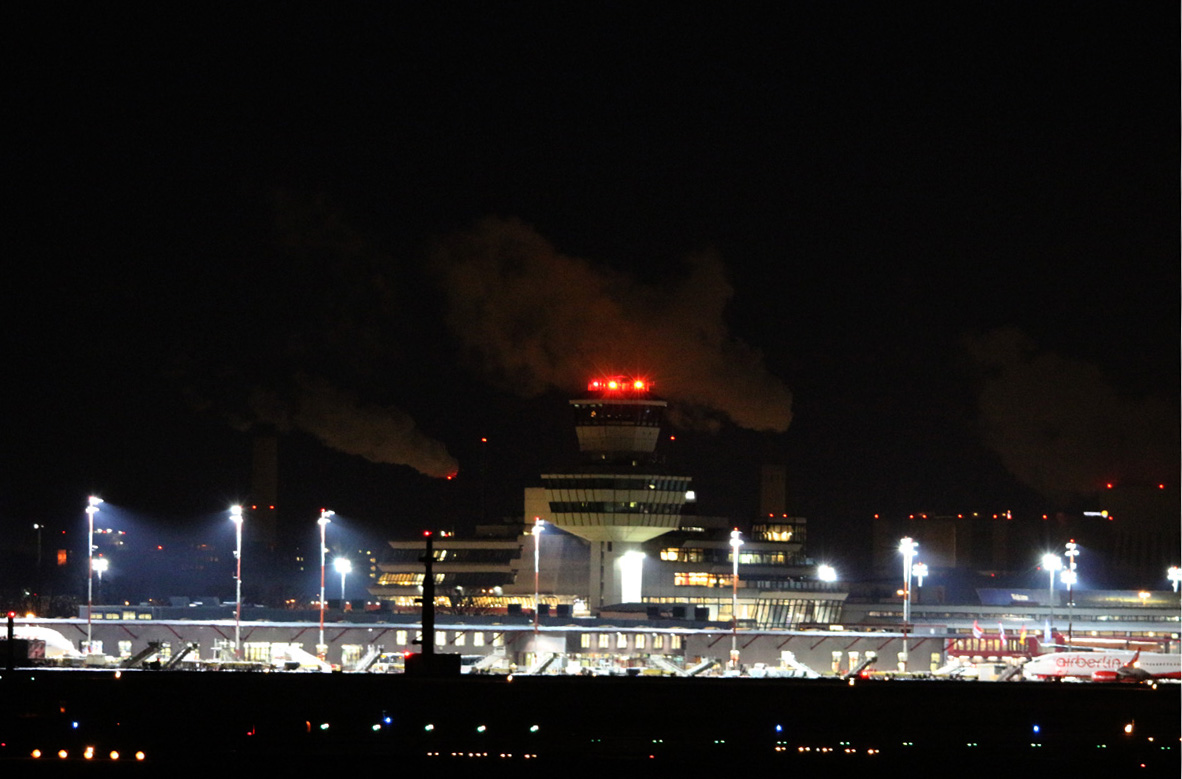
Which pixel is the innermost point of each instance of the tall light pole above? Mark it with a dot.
(325, 519)
(908, 548)
(736, 541)
(236, 518)
(342, 566)
(1051, 562)
(91, 510)
(1174, 574)
(539, 525)
(1069, 578)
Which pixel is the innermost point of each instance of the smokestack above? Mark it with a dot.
(773, 491)
(264, 487)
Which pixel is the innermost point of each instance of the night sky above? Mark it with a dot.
(927, 257)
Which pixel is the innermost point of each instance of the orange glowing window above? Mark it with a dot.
(62, 556)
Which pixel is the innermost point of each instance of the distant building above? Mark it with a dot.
(620, 496)
(614, 539)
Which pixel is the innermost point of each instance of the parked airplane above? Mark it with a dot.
(1105, 666)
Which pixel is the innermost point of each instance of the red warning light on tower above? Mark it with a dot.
(618, 384)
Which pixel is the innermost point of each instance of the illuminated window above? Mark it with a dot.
(604, 641)
(621, 641)
(658, 641)
(678, 555)
(440, 637)
(585, 641)
(498, 639)
(461, 639)
(478, 639)
(695, 579)
(675, 641)
(400, 637)
(640, 640)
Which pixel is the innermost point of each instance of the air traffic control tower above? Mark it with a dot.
(619, 497)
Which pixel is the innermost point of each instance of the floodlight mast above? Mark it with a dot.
(236, 518)
(735, 542)
(908, 548)
(91, 509)
(324, 521)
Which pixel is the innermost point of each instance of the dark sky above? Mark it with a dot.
(926, 256)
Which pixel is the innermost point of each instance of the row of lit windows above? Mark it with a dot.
(701, 579)
(489, 556)
(638, 641)
(1082, 615)
(407, 579)
(783, 613)
(677, 484)
(777, 532)
(987, 645)
(612, 413)
(613, 507)
(675, 554)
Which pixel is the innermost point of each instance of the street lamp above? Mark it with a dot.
(826, 573)
(325, 519)
(236, 518)
(1174, 574)
(908, 548)
(91, 510)
(1051, 563)
(539, 526)
(343, 567)
(736, 541)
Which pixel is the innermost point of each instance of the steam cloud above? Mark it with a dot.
(381, 434)
(534, 318)
(1060, 426)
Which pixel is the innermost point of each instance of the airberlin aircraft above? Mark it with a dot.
(1105, 666)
